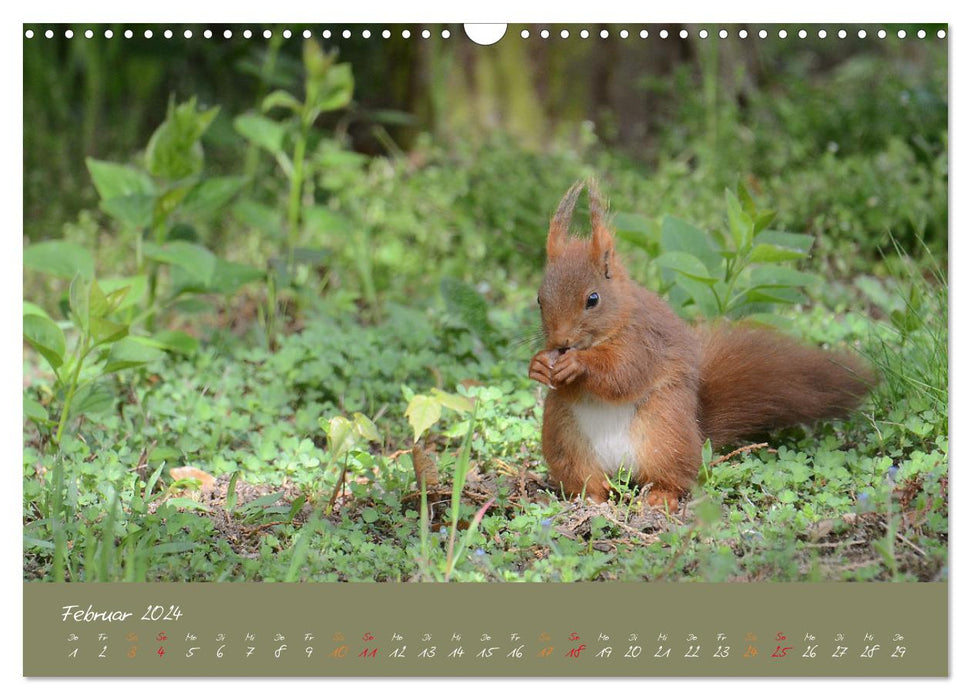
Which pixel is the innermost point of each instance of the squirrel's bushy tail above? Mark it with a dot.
(755, 379)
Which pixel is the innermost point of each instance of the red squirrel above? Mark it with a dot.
(632, 385)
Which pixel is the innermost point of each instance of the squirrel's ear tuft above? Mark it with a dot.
(560, 224)
(601, 240)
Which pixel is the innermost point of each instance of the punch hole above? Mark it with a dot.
(306, 34)
(386, 34)
(783, 33)
(187, 33)
(524, 34)
(763, 34)
(624, 34)
(803, 33)
(69, 34)
(425, 34)
(207, 34)
(247, 34)
(584, 34)
(49, 33)
(683, 34)
(445, 34)
(841, 33)
(167, 33)
(882, 34)
(821, 34)
(148, 34)
(545, 33)
(88, 34)
(941, 33)
(921, 33)
(366, 33)
(723, 34)
(29, 34)
(347, 34)
(109, 33)
(129, 33)
(644, 34)
(703, 33)
(287, 34)
(861, 33)
(488, 34)
(742, 33)
(267, 34)
(663, 34)
(326, 34)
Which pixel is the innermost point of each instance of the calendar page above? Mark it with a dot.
(513, 350)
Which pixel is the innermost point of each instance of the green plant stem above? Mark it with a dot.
(296, 189)
(72, 387)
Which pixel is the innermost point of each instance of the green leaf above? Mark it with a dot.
(701, 294)
(740, 224)
(745, 198)
(32, 309)
(281, 98)
(196, 260)
(229, 276)
(635, 229)
(92, 399)
(46, 338)
(768, 253)
(369, 515)
(188, 504)
(686, 264)
(774, 295)
(340, 433)
(174, 151)
(778, 276)
(131, 352)
(794, 241)
(176, 341)
(113, 180)
(459, 404)
(264, 132)
(365, 427)
(680, 236)
(331, 91)
(211, 195)
(321, 221)
(104, 331)
(267, 220)
(134, 210)
(63, 259)
(422, 413)
(136, 286)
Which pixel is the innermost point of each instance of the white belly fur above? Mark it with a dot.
(607, 427)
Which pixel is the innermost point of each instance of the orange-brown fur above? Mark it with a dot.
(685, 384)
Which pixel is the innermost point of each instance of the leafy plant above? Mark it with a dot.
(103, 346)
(153, 203)
(328, 87)
(739, 272)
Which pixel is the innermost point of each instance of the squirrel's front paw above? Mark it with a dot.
(568, 369)
(541, 367)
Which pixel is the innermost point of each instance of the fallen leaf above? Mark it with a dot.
(204, 479)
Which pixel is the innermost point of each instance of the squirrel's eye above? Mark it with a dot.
(593, 300)
(538, 302)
